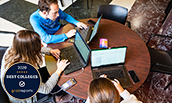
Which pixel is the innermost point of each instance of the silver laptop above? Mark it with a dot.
(110, 62)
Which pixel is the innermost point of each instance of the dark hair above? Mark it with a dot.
(26, 48)
(102, 90)
(44, 5)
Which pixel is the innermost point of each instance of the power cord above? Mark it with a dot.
(56, 92)
(82, 70)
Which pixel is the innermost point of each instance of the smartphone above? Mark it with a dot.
(91, 22)
(134, 76)
(68, 84)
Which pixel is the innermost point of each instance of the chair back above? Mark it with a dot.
(6, 39)
(2, 51)
(161, 61)
(113, 12)
(3, 95)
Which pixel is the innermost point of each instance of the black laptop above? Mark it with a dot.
(77, 54)
(90, 32)
(110, 62)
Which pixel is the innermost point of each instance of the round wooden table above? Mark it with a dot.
(137, 58)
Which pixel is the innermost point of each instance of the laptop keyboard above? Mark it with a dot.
(67, 53)
(112, 74)
(84, 32)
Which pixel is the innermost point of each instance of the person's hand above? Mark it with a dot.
(115, 82)
(61, 65)
(103, 76)
(71, 33)
(81, 25)
(118, 86)
(55, 53)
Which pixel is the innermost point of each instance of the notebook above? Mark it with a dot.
(90, 32)
(76, 54)
(110, 62)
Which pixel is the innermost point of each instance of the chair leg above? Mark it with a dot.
(168, 85)
(72, 2)
(61, 3)
(87, 4)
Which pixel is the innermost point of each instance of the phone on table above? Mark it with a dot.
(91, 22)
(68, 84)
(134, 76)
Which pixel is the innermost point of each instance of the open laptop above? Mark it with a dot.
(90, 32)
(110, 62)
(77, 54)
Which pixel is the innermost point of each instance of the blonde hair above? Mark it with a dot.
(102, 90)
(26, 48)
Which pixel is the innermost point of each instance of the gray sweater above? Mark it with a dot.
(44, 88)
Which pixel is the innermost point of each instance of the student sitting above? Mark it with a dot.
(104, 90)
(27, 48)
(45, 21)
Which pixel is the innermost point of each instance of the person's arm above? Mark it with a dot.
(45, 50)
(52, 81)
(128, 98)
(50, 51)
(45, 37)
(70, 19)
(49, 85)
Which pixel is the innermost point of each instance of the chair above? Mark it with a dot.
(3, 95)
(113, 12)
(7, 36)
(161, 61)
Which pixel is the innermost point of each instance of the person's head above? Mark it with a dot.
(26, 48)
(102, 90)
(49, 8)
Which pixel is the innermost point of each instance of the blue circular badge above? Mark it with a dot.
(22, 80)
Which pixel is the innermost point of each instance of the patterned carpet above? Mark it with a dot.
(152, 90)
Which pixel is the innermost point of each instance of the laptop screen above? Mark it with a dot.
(101, 57)
(82, 46)
(95, 28)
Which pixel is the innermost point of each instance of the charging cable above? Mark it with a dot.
(82, 70)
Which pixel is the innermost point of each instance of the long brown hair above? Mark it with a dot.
(26, 48)
(102, 90)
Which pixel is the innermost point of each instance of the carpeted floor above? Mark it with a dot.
(79, 9)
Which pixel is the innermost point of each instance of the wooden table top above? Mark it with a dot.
(137, 58)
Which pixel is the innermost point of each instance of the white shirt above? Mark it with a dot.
(128, 98)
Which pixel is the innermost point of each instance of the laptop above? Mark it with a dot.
(76, 54)
(110, 62)
(90, 32)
